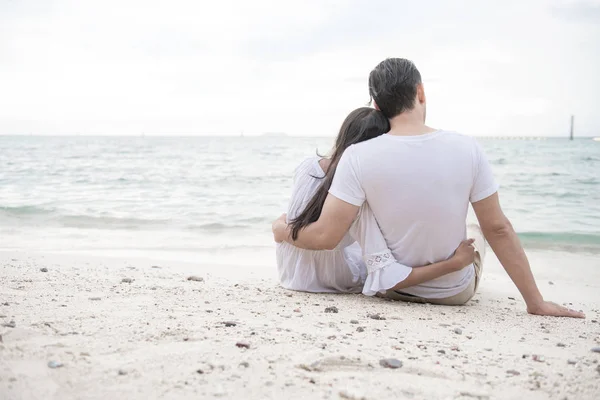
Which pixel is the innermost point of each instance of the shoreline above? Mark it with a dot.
(163, 336)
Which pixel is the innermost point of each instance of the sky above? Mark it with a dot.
(195, 67)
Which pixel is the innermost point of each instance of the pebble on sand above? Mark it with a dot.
(390, 363)
(195, 278)
(595, 349)
(243, 345)
(458, 331)
(376, 316)
(513, 372)
(44, 269)
(95, 298)
(360, 329)
(332, 309)
(11, 324)
(122, 372)
(126, 280)
(571, 362)
(344, 394)
(561, 345)
(55, 364)
(353, 321)
(229, 323)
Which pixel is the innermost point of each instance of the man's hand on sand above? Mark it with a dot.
(551, 309)
(279, 228)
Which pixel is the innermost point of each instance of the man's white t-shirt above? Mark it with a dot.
(419, 189)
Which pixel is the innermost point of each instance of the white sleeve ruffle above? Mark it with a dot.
(383, 272)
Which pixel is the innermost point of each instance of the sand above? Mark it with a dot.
(164, 336)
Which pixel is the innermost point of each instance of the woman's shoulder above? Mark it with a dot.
(309, 166)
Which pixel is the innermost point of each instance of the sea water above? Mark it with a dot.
(212, 199)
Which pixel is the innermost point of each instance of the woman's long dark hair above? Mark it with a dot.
(361, 124)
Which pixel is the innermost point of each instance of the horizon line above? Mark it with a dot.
(261, 135)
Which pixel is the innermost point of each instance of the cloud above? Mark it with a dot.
(578, 11)
(192, 67)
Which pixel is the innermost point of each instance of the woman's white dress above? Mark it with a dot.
(365, 266)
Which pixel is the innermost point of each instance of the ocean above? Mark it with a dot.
(212, 199)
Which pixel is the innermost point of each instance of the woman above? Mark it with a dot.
(343, 269)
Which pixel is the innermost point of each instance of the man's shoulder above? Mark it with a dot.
(385, 141)
(451, 144)
(454, 135)
(458, 140)
(368, 145)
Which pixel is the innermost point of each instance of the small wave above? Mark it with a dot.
(562, 240)
(25, 211)
(255, 220)
(588, 181)
(544, 194)
(85, 221)
(37, 215)
(218, 227)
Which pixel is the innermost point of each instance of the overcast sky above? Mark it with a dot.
(509, 67)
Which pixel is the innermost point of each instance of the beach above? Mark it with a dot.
(146, 149)
(78, 326)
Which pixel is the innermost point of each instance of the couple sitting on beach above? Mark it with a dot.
(386, 213)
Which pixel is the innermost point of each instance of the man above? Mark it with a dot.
(418, 182)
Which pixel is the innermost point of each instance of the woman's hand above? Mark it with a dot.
(464, 255)
(279, 228)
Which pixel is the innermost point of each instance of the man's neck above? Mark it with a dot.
(409, 124)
